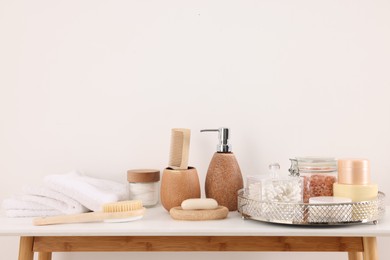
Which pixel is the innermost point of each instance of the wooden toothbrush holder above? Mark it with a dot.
(179, 185)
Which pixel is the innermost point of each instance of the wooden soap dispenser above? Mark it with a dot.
(223, 179)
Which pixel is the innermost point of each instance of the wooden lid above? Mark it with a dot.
(143, 175)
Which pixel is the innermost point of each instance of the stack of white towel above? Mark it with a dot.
(69, 193)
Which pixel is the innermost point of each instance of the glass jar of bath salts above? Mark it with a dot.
(319, 174)
(144, 186)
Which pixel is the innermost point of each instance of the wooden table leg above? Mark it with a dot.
(26, 248)
(355, 256)
(370, 248)
(44, 256)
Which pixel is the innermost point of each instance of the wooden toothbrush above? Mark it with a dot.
(122, 211)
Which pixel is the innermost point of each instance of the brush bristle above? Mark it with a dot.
(122, 206)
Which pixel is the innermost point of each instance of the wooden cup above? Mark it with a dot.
(179, 185)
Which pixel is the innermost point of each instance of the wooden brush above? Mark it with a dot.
(122, 211)
(180, 145)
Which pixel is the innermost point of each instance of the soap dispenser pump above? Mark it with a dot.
(224, 178)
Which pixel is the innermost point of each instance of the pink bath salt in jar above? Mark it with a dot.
(318, 173)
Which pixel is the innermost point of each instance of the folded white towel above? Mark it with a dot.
(18, 203)
(70, 193)
(90, 192)
(52, 199)
(17, 207)
(29, 213)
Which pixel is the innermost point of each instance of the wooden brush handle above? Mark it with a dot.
(86, 217)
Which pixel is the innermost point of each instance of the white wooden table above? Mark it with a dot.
(158, 232)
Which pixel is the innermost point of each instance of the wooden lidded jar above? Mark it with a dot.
(144, 186)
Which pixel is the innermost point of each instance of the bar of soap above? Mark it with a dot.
(356, 192)
(192, 204)
(329, 200)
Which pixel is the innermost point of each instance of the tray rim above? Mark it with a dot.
(381, 211)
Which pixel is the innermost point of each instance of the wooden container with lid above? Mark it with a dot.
(144, 185)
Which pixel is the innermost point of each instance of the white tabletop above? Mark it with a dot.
(157, 222)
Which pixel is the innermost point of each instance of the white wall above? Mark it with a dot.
(97, 86)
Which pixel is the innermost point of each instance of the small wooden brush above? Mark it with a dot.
(122, 211)
(180, 146)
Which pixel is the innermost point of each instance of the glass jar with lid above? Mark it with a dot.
(319, 174)
(273, 187)
(144, 186)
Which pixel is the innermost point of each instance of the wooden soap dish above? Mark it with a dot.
(199, 214)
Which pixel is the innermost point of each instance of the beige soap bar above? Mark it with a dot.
(190, 204)
(356, 192)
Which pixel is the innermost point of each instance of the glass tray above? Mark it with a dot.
(311, 214)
